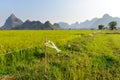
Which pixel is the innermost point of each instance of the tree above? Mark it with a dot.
(112, 25)
(101, 27)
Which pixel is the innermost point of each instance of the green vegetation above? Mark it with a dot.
(85, 55)
(112, 25)
(101, 27)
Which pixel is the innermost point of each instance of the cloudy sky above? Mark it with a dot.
(58, 10)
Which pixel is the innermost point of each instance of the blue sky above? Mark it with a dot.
(58, 10)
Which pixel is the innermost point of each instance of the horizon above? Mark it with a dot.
(69, 11)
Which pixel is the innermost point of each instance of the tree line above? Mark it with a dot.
(112, 26)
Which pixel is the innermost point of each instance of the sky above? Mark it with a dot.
(69, 11)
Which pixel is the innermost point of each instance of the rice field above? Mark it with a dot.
(85, 55)
(15, 40)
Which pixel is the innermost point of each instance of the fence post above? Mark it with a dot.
(45, 56)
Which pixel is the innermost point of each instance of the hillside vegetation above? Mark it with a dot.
(85, 55)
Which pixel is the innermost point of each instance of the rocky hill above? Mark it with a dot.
(15, 23)
(35, 25)
(12, 21)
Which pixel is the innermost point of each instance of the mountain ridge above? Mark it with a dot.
(13, 22)
(93, 23)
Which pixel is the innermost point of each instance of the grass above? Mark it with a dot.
(14, 40)
(88, 57)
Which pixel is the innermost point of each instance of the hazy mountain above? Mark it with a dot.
(83, 25)
(89, 24)
(105, 20)
(74, 25)
(64, 25)
(12, 21)
(56, 26)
